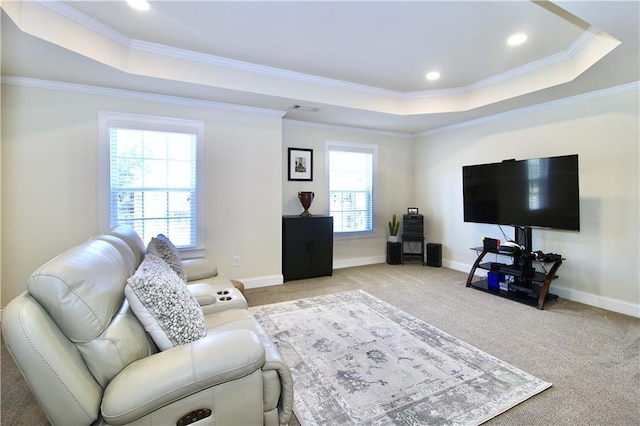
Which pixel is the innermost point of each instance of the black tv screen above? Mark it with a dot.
(539, 192)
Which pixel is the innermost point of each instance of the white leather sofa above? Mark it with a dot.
(89, 360)
(213, 291)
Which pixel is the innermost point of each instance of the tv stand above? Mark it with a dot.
(526, 284)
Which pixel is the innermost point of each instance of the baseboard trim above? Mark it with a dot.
(266, 281)
(456, 266)
(269, 280)
(359, 261)
(608, 303)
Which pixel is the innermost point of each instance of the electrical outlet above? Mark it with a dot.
(236, 261)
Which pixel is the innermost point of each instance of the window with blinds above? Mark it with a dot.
(351, 170)
(153, 177)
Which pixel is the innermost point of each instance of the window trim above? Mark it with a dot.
(108, 119)
(354, 147)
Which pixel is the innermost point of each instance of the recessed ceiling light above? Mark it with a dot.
(517, 39)
(139, 4)
(433, 75)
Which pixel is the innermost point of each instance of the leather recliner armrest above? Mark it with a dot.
(198, 269)
(274, 361)
(165, 377)
(203, 293)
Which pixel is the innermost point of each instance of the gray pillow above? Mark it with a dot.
(162, 247)
(164, 305)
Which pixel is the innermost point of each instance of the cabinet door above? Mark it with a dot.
(320, 237)
(295, 257)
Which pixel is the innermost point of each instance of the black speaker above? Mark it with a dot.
(434, 254)
(394, 253)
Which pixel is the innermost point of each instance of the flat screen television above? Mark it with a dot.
(539, 192)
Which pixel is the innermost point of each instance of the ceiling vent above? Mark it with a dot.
(303, 108)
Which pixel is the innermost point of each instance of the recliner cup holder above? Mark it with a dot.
(225, 295)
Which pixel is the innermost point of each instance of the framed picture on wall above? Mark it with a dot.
(300, 164)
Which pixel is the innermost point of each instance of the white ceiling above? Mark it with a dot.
(358, 63)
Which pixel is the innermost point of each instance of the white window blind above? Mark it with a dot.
(153, 180)
(351, 186)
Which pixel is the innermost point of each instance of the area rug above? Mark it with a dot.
(357, 360)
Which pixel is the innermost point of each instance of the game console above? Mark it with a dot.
(546, 257)
(490, 245)
(509, 247)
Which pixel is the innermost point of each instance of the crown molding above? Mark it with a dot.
(190, 55)
(548, 61)
(205, 58)
(73, 14)
(629, 87)
(143, 46)
(573, 50)
(287, 122)
(130, 94)
(95, 90)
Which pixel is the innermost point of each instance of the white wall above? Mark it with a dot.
(50, 180)
(393, 185)
(49, 185)
(602, 259)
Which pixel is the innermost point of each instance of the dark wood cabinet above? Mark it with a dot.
(307, 247)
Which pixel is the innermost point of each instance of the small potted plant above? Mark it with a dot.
(394, 226)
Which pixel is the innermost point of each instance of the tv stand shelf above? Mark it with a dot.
(529, 286)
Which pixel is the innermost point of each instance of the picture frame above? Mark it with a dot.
(300, 164)
(412, 211)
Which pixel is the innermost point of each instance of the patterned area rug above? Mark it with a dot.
(356, 359)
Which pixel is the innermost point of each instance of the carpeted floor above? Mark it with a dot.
(591, 356)
(357, 360)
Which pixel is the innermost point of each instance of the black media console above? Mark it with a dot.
(523, 282)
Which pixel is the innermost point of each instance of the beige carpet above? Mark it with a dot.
(357, 360)
(591, 356)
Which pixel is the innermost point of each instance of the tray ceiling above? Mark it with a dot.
(359, 64)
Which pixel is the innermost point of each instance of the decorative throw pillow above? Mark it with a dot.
(162, 247)
(163, 304)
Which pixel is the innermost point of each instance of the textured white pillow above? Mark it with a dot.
(163, 247)
(163, 304)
